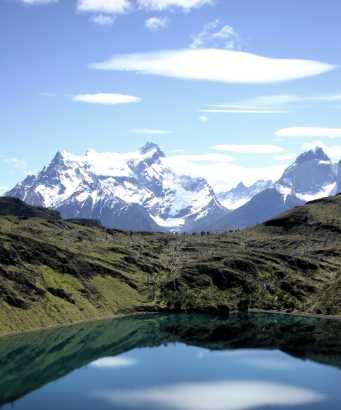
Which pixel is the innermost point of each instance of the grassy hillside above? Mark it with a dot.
(56, 272)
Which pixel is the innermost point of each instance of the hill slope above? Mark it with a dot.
(56, 272)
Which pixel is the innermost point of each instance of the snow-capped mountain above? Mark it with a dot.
(262, 207)
(313, 175)
(241, 194)
(140, 191)
(136, 191)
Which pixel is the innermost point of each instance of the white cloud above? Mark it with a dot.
(38, 2)
(311, 132)
(329, 98)
(269, 104)
(106, 99)
(110, 362)
(16, 163)
(218, 36)
(248, 149)
(220, 395)
(222, 175)
(3, 189)
(215, 65)
(48, 94)
(185, 5)
(285, 157)
(242, 111)
(104, 6)
(156, 23)
(149, 131)
(200, 158)
(103, 20)
(203, 118)
(175, 151)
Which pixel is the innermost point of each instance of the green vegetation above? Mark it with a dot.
(55, 272)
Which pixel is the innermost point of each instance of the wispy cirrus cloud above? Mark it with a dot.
(123, 6)
(149, 131)
(310, 132)
(38, 2)
(106, 99)
(285, 157)
(104, 6)
(241, 110)
(248, 149)
(203, 118)
(156, 23)
(16, 163)
(217, 35)
(103, 20)
(201, 158)
(269, 104)
(215, 65)
(185, 5)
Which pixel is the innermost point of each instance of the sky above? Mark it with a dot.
(230, 89)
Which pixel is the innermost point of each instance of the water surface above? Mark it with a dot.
(251, 361)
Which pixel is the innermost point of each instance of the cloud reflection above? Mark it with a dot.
(223, 395)
(109, 362)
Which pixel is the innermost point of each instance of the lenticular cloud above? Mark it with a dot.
(215, 65)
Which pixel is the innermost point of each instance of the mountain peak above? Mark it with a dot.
(241, 185)
(151, 147)
(316, 153)
(59, 158)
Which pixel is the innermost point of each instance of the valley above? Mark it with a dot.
(56, 272)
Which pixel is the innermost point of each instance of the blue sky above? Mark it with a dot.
(108, 75)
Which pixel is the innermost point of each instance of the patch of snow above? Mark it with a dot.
(327, 190)
(170, 223)
(284, 190)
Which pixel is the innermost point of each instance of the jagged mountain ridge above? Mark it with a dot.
(241, 194)
(136, 191)
(312, 176)
(139, 191)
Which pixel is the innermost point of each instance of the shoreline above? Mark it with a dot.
(123, 315)
(78, 322)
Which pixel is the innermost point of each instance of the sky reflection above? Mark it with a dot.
(221, 395)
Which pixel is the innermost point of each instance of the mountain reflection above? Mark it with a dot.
(30, 361)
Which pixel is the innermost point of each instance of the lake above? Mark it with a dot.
(176, 362)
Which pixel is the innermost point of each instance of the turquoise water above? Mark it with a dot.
(176, 362)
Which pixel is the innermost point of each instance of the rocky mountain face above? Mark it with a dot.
(263, 206)
(140, 192)
(312, 176)
(136, 191)
(241, 194)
